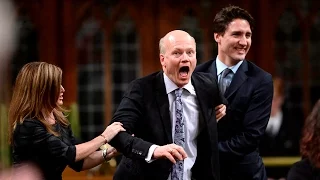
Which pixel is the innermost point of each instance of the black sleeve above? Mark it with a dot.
(254, 123)
(77, 166)
(37, 134)
(130, 113)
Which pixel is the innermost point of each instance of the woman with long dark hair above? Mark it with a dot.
(39, 132)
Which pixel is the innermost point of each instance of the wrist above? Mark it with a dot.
(105, 138)
(104, 154)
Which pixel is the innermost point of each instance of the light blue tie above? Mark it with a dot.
(225, 80)
(177, 169)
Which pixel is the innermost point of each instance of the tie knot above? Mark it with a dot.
(178, 92)
(225, 72)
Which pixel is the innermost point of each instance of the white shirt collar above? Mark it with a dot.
(171, 86)
(221, 66)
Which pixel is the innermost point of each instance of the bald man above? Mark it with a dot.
(172, 116)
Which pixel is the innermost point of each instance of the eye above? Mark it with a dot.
(176, 53)
(190, 53)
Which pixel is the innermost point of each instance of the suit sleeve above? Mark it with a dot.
(254, 123)
(130, 113)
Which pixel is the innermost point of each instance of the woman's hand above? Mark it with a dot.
(111, 152)
(112, 130)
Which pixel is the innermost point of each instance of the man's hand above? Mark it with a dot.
(220, 111)
(171, 152)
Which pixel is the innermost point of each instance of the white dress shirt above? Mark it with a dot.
(191, 123)
(221, 66)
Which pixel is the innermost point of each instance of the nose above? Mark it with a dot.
(62, 89)
(243, 41)
(185, 57)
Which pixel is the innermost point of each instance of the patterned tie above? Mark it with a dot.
(225, 80)
(177, 169)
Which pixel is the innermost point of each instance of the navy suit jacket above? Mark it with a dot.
(144, 112)
(249, 99)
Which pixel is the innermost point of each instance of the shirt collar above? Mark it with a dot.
(171, 86)
(221, 66)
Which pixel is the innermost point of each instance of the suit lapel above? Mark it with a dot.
(163, 105)
(239, 78)
(213, 69)
(202, 97)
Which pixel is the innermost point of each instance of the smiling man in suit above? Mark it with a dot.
(172, 116)
(248, 90)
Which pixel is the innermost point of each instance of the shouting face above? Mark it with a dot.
(178, 58)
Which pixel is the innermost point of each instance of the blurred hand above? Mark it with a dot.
(112, 130)
(111, 152)
(171, 152)
(220, 111)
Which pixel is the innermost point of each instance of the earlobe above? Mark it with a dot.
(162, 59)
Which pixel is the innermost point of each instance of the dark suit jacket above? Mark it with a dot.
(303, 170)
(144, 112)
(249, 99)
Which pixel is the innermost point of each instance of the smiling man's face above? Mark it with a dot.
(235, 43)
(179, 59)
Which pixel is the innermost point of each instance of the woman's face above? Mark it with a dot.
(60, 98)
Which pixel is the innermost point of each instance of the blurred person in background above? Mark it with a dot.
(308, 168)
(26, 172)
(8, 33)
(283, 131)
(39, 131)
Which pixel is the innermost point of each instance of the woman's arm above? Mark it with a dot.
(85, 149)
(97, 158)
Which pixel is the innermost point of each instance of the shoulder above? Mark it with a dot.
(255, 70)
(203, 77)
(30, 124)
(146, 79)
(302, 168)
(203, 67)
(257, 74)
(146, 83)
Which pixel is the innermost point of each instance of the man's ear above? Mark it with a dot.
(161, 56)
(217, 37)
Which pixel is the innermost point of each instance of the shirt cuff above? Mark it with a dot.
(150, 153)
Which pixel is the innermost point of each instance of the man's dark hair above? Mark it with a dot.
(227, 15)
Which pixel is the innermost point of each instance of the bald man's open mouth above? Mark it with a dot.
(184, 71)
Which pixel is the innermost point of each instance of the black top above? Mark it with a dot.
(33, 143)
(303, 170)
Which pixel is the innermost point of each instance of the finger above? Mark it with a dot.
(176, 154)
(170, 157)
(181, 152)
(219, 106)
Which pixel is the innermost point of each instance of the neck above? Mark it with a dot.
(227, 60)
